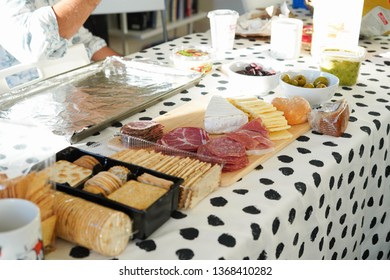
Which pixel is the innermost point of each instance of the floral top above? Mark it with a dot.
(29, 32)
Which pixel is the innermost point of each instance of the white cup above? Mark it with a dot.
(20, 230)
(223, 24)
(286, 38)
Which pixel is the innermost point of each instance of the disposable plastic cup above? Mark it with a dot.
(286, 38)
(223, 24)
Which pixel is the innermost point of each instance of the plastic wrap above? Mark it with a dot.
(331, 118)
(201, 174)
(375, 20)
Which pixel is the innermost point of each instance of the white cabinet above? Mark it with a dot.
(123, 7)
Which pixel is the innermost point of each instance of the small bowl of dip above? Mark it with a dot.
(343, 63)
(196, 58)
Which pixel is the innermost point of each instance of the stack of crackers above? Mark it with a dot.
(93, 226)
(200, 178)
(35, 187)
(273, 120)
(138, 195)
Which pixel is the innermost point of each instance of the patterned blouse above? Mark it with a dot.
(29, 32)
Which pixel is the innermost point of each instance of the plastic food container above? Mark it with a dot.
(197, 58)
(343, 63)
(144, 222)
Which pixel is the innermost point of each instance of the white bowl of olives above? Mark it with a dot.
(250, 77)
(315, 86)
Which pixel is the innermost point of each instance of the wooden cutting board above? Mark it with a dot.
(192, 114)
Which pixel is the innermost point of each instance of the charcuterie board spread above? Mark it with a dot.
(192, 114)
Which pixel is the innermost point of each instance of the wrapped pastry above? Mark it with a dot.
(331, 118)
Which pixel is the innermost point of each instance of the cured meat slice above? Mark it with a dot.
(256, 125)
(244, 138)
(262, 141)
(234, 167)
(185, 138)
(224, 146)
(226, 150)
(254, 137)
(146, 130)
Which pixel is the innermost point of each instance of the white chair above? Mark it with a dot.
(75, 57)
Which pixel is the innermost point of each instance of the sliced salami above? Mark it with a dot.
(224, 146)
(226, 150)
(234, 167)
(146, 130)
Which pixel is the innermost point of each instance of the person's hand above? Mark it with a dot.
(103, 53)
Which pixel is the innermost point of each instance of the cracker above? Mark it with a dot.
(87, 161)
(147, 178)
(67, 172)
(137, 195)
(96, 227)
(105, 180)
(120, 171)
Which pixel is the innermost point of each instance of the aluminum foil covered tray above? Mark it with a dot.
(81, 102)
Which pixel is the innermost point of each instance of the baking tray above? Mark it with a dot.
(145, 222)
(86, 100)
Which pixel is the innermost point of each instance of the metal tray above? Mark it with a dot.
(84, 101)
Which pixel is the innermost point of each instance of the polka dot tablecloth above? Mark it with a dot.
(321, 197)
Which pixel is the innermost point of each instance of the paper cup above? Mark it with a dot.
(20, 230)
(286, 38)
(223, 24)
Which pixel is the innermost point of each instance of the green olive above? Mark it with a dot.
(294, 82)
(321, 80)
(286, 78)
(309, 85)
(301, 79)
(320, 85)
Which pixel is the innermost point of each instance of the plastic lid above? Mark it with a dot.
(192, 53)
(355, 54)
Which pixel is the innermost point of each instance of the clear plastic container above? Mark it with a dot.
(343, 63)
(197, 58)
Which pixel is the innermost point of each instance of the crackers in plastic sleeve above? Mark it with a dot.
(93, 226)
(331, 118)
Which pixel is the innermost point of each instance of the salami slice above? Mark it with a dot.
(146, 130)
(234, 167)
(231, 153)
(224, 146)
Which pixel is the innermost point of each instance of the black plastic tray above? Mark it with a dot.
(145, 222)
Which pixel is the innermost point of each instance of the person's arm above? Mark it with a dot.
(103, 53)
(71, 15)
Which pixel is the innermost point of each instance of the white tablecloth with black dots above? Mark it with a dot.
(321, 197)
